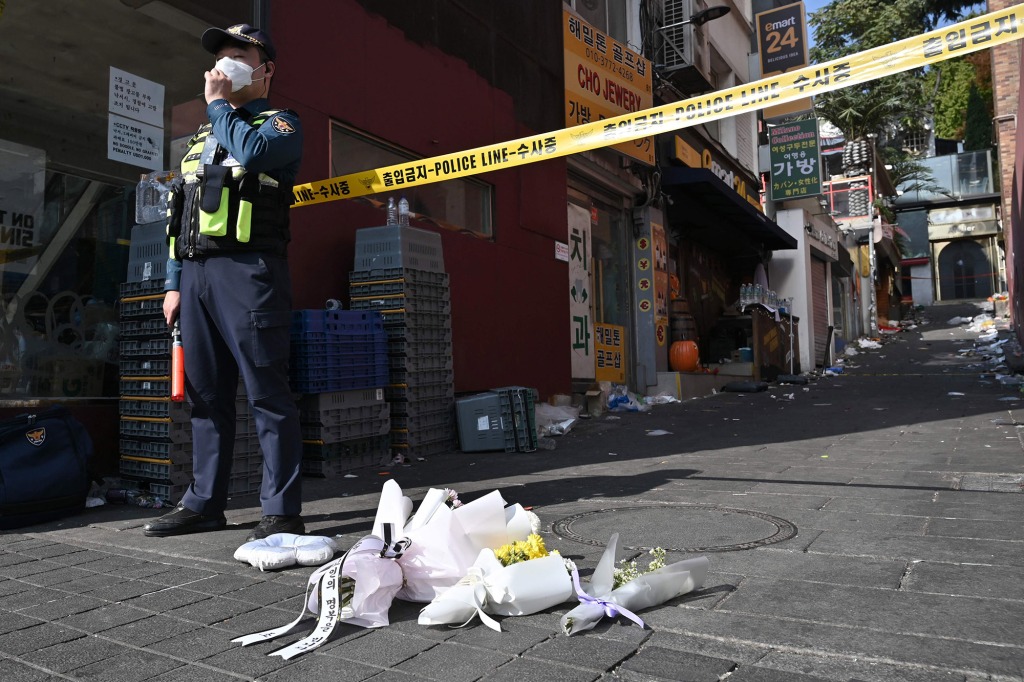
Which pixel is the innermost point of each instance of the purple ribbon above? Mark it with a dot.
(611, 609)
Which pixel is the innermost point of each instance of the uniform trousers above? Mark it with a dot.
(235, 318)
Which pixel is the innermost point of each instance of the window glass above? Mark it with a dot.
(462, 205)
(607, 15)
(94, 95)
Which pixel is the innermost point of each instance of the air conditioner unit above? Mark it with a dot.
(681, 49)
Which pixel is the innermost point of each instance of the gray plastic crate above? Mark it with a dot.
(161, 471)
(420, 363)
(424, 450)
(176, 432)
(427, 393)
(429, 306)
(418, 408)
(336, 400)
(163, 408)
(424, 435)
(145, 307)
(146, 348)
(347, 431)
(523, 401)
(399, 287)
(178, 453)
(146, 388)
(485, 423)
(148, 252)
(344, 415)
(398, 274)
(144, 328)
(145, 367)
(398, 246)
(421, 377)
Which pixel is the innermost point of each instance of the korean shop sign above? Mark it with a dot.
(605, 79)
(795, 160)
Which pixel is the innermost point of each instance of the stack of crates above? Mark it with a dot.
(156, 434)
(247, 459)
(399, 272)
(337, 350)
(339, 363)
(344, 430)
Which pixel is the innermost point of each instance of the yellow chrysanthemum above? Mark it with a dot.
(535, 548)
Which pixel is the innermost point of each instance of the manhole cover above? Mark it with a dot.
(677, 527)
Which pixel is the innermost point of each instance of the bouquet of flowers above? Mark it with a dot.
(413, 558)
(516, 579)
(446, 537)
(634, 591)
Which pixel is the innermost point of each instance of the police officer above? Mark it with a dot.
(228, 284)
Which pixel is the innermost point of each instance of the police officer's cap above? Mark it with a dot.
(214, 38)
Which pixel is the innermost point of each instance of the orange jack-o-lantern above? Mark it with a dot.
(683, 356)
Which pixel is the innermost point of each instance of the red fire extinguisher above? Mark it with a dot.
(177, 365)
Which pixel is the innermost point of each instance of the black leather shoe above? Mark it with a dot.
(183, 520)
(269, 525)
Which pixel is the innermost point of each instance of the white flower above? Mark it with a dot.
(534, 522)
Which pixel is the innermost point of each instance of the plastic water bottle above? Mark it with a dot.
(392, 212)
(403, 212)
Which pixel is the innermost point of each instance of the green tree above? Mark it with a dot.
(888, 105)
(978, 125)
(951, 82)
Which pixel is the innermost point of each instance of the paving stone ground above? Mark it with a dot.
(900, 482)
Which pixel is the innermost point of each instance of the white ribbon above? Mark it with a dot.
(476, 579)
(328, 587)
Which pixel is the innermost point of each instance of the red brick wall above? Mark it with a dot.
(1006, 77)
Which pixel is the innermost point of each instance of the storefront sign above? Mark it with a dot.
(971, 228)
(795, 160)
(604, 79)
(22, 184)
(610, 353)
(581, 325)
(691, 152)
(824, 239)
(782, 39)
(562, 251)
(135, 122)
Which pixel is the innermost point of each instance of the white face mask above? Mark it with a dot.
(239, 73)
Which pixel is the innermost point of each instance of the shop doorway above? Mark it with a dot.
(965, 271)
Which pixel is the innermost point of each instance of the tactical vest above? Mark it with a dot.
(216, 208)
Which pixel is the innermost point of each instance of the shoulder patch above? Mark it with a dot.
(282, 126)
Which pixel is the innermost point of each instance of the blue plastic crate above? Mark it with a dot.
(358, 322)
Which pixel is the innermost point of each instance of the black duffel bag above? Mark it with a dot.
(44, 467)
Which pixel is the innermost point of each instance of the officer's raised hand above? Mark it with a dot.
(218, 85)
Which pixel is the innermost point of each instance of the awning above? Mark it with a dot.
(708, 211)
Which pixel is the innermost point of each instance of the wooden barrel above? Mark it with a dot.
(679, 306)
(683, 327)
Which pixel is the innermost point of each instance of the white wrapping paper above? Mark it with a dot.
(445, 542)
(650, 589)
(488, 588)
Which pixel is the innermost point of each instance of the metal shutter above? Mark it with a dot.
(819, 308)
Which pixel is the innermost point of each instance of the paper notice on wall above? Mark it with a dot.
(136, 143)
(135, 124)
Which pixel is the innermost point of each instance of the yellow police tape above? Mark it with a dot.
(989, 30)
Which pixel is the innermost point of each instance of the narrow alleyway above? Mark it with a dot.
(863, 527)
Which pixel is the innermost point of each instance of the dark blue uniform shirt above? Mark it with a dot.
(275, 148)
